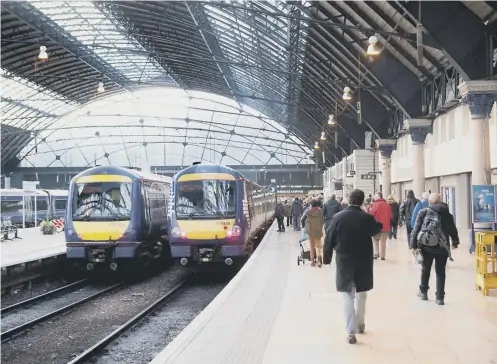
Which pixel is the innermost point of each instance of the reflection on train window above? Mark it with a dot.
(206, 198)
(11, 206)
(102, 201)
(41, 204)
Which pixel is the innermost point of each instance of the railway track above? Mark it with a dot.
(9, 334)
(41, 297)
(95, 349)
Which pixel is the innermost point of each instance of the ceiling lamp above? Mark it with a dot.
(100, 87)
(373, 49)
(316, 146)
(331, 120)
(323, 136)
(347, 93)
(43, 55)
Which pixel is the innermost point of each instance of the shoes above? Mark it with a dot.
(320, 261)
(351, 339)
(362, 328)
(376, 256)
(383, 258)
(440, 302)
(423, 296)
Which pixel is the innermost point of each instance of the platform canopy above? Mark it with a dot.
(283, 61)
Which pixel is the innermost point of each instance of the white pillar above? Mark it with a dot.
(386, 147)
(418, 171)
(418, 129)
(478, 174)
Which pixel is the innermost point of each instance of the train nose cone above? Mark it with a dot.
(183, 261)
(228, 261)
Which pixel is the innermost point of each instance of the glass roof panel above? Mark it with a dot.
(164, 126)
(27, 105)
(98, 32)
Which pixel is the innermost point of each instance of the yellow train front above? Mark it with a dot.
(215, 213)
(116, 216)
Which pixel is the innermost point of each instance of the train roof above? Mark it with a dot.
(212, 168)
(57, 193)
(131, 173)
(20, 192)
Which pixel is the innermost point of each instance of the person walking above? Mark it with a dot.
(313, 222)
(419, 206)
(296, 211)
(394, 219)
(288, 213)
(330, 208)
(432, 230)
(382, 213)
(279, 212)
(350, 236)
(406, 210)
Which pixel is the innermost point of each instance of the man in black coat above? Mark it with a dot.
(350, 234)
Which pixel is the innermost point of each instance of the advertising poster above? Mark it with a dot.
(483, 201)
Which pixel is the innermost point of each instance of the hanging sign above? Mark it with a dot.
(484, 204)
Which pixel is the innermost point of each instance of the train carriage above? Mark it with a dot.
(116, 215)
(214, 213)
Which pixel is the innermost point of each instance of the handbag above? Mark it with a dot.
(303, 235)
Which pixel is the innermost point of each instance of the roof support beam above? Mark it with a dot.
(55, 33)
(204, 27)
(465, 46)
(293, 46)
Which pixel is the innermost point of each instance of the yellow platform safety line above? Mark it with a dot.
(486, 261)
(95, 178)
(206, 176)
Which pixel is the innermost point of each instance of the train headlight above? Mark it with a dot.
(176, 232)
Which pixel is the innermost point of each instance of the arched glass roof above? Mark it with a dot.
(163, 127)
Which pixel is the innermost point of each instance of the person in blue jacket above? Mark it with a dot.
(419, 206)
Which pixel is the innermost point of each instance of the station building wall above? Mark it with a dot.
(448, 160)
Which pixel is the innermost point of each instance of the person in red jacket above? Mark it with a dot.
(382, 213)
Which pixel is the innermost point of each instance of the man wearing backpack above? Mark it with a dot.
(434, 225)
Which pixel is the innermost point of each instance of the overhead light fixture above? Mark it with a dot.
(347, 93)
(331, 120)
(43, 55)
(100, 87)
(323, 136)
(316, 146)
(373, 49)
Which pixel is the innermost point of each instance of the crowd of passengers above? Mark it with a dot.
(356, 230)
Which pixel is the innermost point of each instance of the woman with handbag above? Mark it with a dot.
(313, 222)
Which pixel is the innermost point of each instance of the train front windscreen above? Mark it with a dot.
(102, 201)
(205, 199)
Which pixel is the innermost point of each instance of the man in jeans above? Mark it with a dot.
(350, 235)
(382, 213)
(439, 253)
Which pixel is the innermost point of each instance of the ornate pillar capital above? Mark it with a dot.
(419, 129)
(480, 96)
(386, 147)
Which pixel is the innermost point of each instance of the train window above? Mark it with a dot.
(206, 198)
(60, 204)
(41, 204)
(102, 201)
(11, 206)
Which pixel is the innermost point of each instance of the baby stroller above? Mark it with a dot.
(305, 249)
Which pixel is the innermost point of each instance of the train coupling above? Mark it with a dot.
(228, 261)
(183, 261)
(90, 266)
(113, 266)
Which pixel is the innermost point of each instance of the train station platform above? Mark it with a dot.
(33, 246)
(274, 311)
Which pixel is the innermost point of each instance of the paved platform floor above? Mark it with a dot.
(277, 312)
(33, 246)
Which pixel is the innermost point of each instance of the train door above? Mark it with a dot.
(28, 209)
